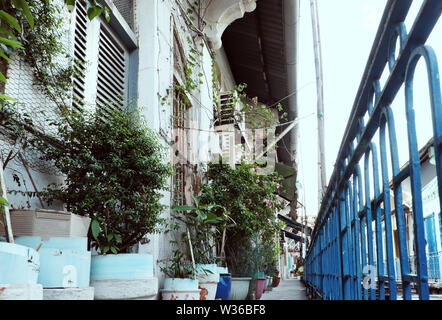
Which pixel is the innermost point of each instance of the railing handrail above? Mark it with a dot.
(396, 10)
(333, 259)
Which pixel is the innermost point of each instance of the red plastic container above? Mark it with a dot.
(276, 282)
(259, 287)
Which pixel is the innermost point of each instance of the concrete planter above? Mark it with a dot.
(83, 293)
(180, 289)
(239, 288)
(18, 264)
(21, 292)
(125, 276)
(208, 278)
(64, 262)
(47, 224)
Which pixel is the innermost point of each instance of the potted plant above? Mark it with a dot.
(250, 200)
(114, 171)
(270, 253)
(202, 226)
(180, 282)
(259, 279)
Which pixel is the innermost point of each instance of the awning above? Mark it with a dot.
(294, 236)
(295, 225)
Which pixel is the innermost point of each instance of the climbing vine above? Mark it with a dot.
(40, 30)
(194, 73)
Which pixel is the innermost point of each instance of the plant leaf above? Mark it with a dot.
(93, 12)
(4, 202)
(10, 19)
(7, 32)
(95, 228)
(4, 97)
(10, 43)
(2, 77)
(23, 4)
(4, 56)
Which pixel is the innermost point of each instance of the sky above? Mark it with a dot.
(347, 32)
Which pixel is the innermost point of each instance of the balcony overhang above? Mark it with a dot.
(220, 14)
(262, 49)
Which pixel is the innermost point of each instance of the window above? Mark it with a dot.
(80, 36)
(101, 63)
(226, 111)
(112, 71)
(180, 124)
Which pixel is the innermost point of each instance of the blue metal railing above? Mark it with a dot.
(345, 252)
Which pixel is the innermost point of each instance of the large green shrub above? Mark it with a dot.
(251, 202)
(114, 172)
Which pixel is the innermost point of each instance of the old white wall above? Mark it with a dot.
(31, 101)
(154, 22)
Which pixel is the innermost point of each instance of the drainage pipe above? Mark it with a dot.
(291, 39)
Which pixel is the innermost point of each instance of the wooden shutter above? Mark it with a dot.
(81, 24)
(112, 71)
(226, 110)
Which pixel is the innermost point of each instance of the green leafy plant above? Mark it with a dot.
(178, 266)
(14, 13)
(21, 23)
(250, 200)
(94, 8)
(204, 226)
(115, 169)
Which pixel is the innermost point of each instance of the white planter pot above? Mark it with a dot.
(125, 276)
(239, 288)
(208, 278)
(180, 289)
(85, 293)
(21, 292)
(47, 224)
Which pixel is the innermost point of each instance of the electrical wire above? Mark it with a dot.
(263, 128)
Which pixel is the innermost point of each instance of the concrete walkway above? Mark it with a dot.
(289, 289)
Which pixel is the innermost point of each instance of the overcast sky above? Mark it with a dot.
(347, 31)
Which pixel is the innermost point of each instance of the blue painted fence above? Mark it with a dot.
(354, 223)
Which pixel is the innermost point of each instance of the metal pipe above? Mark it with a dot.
(291, 38)
(320, 98)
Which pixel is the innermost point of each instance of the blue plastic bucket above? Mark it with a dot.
(224, 286)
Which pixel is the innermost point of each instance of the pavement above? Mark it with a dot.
(289, 289)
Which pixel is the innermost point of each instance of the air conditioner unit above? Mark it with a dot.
(227, 124)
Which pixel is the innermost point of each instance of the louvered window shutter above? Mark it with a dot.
(226, 110)
(81, 23)
(112, 71)
(112, 64)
